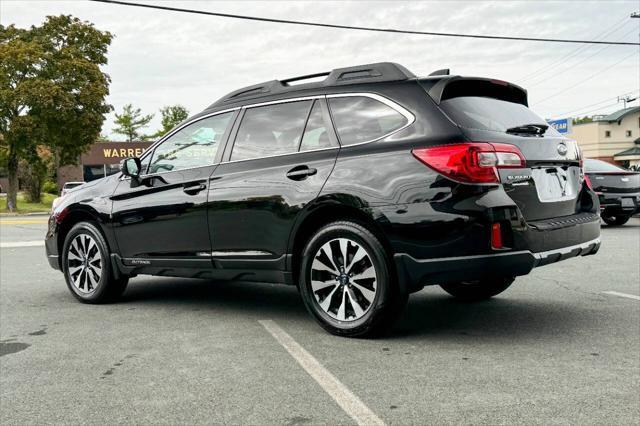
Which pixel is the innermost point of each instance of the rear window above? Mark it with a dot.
(598, 166)
(361, 119)
(491, 114)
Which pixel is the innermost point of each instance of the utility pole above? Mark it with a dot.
(626, 99)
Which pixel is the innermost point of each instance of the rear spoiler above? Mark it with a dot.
(447, 87)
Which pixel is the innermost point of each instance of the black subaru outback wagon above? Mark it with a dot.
(359, 189)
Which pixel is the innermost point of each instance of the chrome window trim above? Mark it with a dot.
(401, 110)
(392, 104)
(284, 101)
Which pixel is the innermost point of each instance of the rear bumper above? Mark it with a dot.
(452, 269)
(613, 202)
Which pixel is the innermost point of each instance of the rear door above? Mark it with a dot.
(279, 158)
(487, 111)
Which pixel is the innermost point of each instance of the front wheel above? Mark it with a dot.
(347, 283)
(615, 220)
(478, 289)
(86, 266)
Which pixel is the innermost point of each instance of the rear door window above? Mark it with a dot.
(362, 119)
(315, 135)
(271, 130)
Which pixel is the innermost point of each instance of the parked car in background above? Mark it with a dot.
(359, 189)
(618, 190)
(69, 185)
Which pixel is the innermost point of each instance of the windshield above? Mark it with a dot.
(490, 114)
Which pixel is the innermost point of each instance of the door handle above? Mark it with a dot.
(301, 172)
(194, 189)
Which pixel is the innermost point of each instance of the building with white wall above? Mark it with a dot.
(614, 138)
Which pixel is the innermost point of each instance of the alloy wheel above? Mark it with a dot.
(343, 279)
(84, 263)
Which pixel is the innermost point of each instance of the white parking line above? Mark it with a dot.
(15, 244)
(628, 296)
(351, 404)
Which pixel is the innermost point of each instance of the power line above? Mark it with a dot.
(575, 53)
(574, 65)
(581, 109)
(585, 113)
(359, 28)
(542, 70)
(586, 79)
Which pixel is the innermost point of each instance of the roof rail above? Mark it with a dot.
(369, 73)
(444, 71)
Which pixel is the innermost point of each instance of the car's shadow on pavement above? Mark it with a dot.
(427, 315)
(501, 318)
(260, 300)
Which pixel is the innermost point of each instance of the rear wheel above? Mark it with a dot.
(346, 281)
(478, 289)
(87, 268)
(615, 220)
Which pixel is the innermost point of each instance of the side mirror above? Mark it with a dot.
(131, 167)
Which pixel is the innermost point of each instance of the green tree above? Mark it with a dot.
(171, 117)
(130, 122)
(583, 120)
(52, 92)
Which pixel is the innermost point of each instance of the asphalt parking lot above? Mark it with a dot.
(557, 348)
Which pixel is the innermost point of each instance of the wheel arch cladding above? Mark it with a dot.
(323, 213)
(70, 220)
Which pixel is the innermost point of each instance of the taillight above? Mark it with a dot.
(471, 162)
(496, 236)
(588, 182)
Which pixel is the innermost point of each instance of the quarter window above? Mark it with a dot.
(362, 119)
(195, 145)
(315, 133)
(271, 130)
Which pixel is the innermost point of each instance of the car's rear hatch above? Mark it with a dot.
(496, 112)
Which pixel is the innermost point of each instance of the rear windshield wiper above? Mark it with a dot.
(533, 129)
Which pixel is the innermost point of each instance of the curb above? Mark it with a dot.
(43, 213)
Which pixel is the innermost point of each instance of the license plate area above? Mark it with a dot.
(627, 203)
(555, 184)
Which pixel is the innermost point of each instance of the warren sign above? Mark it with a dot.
(113, 152)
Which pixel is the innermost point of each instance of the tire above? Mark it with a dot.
(350, 306)
(472, 291)
(615, 220)
(87, 267)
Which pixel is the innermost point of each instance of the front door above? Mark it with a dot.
(160, 219)
(281, 157)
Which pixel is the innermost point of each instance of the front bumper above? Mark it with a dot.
(51, 244)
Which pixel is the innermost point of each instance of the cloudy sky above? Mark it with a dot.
(159, 58)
